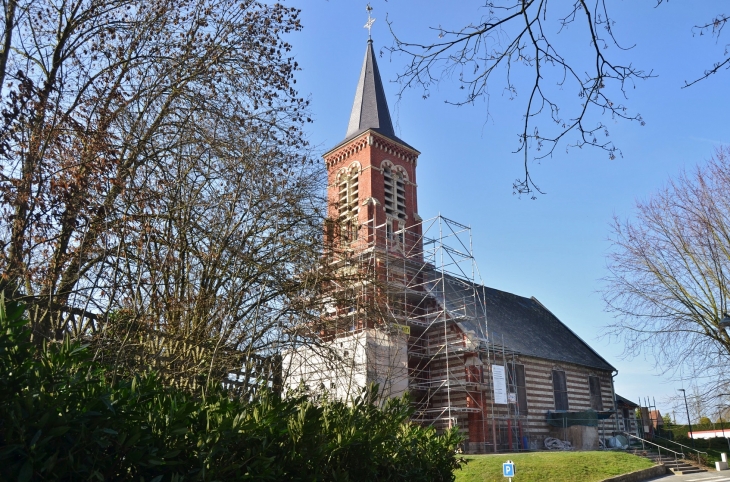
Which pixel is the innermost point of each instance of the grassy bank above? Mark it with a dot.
(552, 466)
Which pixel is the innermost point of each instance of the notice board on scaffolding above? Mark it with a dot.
(500, 384)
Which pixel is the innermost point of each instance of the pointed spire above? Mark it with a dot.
(370, 109)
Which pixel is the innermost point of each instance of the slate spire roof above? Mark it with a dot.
(370, 109)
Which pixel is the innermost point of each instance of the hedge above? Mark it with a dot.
(62, 418)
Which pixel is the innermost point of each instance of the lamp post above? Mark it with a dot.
(725, 324)
(686, 407)
(722, 426)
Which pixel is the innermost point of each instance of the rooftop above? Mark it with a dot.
(370, 107)
(523, 325)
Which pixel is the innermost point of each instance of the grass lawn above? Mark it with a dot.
(552, 466)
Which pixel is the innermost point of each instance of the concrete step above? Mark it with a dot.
(685, 471)
(677, 466)
(660, 458)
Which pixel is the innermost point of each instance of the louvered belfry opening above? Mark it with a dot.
(348, 201)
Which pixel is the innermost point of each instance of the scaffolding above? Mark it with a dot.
(649, 423)
(409, 314)
(429, 285)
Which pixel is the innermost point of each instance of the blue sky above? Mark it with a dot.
(553, 248)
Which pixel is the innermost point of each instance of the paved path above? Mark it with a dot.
(712, 476)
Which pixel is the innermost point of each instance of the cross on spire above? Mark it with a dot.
(370, 22)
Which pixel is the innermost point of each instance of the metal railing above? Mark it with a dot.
(659, 448)
(699, 460)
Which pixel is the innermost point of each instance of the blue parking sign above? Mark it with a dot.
(508, 469)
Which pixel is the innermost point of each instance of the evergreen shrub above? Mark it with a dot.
(62, 418)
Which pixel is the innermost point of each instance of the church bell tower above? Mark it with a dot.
(373, 244)
(372, 176)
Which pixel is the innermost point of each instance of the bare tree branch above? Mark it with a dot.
(512, 34)
(715, 27)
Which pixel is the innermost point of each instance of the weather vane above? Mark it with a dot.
(371, 21)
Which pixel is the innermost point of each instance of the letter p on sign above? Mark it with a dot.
(508, 469)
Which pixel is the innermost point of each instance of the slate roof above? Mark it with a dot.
(522, 324)
(625, 401)
(370, 107)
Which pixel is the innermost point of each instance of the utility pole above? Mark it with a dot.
(722, 426)
(686, 407)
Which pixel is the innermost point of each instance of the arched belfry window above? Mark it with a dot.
(348, 202)
(394, 184)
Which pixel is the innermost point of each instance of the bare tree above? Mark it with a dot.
(101, 90)
(514, 34)
(157, 192)
(221, 247)
(669, 285)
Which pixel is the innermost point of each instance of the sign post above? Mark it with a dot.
(508, 469)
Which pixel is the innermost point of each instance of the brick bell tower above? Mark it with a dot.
(372, 191)
(373, 239)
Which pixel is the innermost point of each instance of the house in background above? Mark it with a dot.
(499, 366)
(656, 420)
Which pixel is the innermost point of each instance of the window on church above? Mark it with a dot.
(388, 189)
(389, 229)
(594, 385)
(394, 188)
(516, 378)
(348, 203)
(400, 197)
(349, 230)
(560, 390)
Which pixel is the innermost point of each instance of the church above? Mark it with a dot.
(411, 317)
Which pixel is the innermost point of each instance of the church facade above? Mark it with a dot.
(500, 367)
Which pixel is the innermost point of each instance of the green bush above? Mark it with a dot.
(712, 446)
(62, 419)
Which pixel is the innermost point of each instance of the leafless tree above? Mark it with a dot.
(218, 254)
(669, 287)
(157, 192)
(514, 34)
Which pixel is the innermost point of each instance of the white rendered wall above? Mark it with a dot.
(344, 366)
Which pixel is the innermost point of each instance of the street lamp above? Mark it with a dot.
(719, 409)
(722, 426)
(686, 407)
